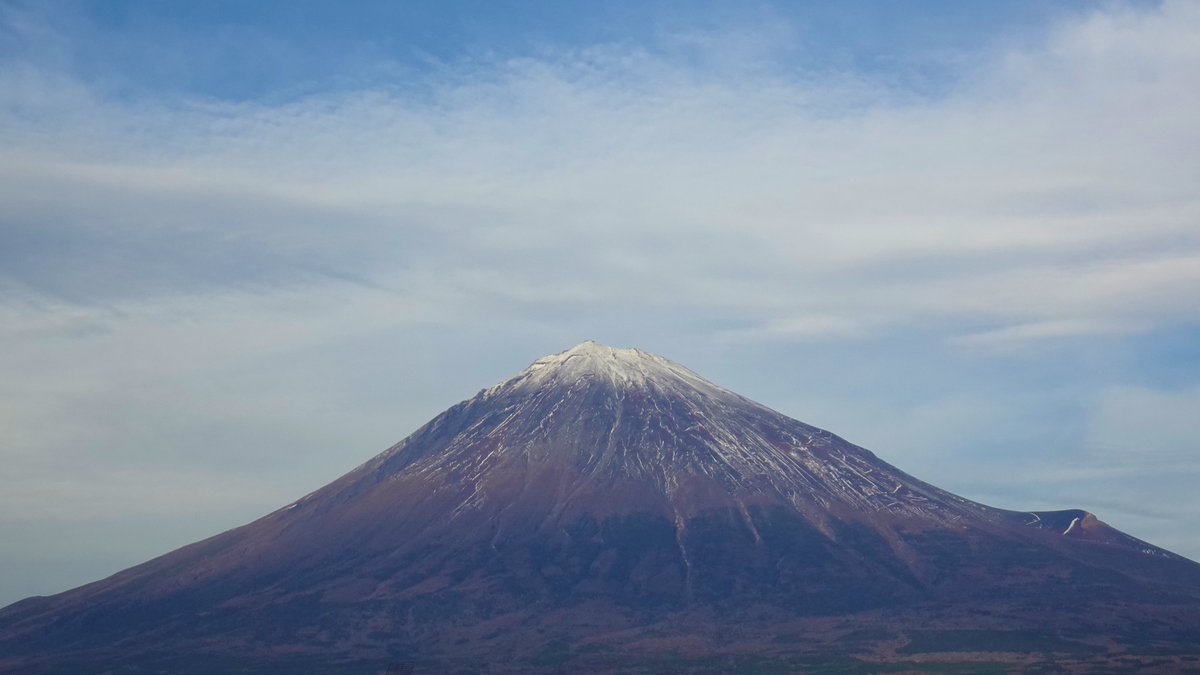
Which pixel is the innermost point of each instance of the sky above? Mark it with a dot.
(244, 247)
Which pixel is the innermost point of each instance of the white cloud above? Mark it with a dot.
(127, 492)
(1144, 426)
(794, 328)
(1036, 193)
(1042, 330)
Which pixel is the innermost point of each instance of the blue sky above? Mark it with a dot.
(246, 246)
(247, 51)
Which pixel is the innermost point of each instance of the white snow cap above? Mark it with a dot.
(623, 367)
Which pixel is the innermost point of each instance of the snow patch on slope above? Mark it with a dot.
(655, 419)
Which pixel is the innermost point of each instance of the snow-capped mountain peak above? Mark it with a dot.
(609, 414)
(620, 367)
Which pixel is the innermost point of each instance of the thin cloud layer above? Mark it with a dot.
(1063, 167)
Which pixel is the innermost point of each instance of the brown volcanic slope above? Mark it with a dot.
(608, 509)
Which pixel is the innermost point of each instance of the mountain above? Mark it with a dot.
(608, 509)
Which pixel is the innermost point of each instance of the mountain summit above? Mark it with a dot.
(610, 509)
